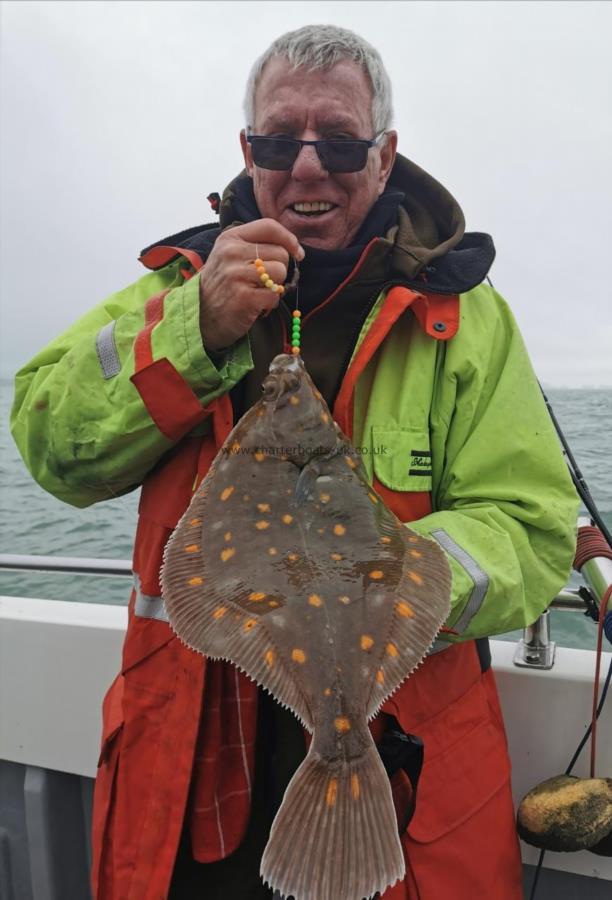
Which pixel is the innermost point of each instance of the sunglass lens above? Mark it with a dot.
(274, 153)
(343, 156)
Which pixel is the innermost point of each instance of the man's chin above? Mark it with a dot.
(319, 234)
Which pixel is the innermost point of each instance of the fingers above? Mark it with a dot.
(277, 271)
(268, 231)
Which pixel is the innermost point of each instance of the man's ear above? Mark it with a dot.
(246, 152)
(387, 158)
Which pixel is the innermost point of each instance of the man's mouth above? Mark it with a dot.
(312, 208)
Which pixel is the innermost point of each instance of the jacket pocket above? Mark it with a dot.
(459, 782)
(402, 458)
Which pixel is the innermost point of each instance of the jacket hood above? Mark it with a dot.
(428, 243)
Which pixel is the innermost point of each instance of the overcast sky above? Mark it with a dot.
(118, 118)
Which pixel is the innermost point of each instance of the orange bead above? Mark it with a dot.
(281, 289)
(295, 351)
(259, 262)
(296, 313)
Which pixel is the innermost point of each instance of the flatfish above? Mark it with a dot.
(290, 566)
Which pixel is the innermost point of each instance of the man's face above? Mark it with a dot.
(333, 103)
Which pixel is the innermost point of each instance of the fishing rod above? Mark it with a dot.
(577, 477)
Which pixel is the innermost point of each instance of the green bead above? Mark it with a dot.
(295, 342)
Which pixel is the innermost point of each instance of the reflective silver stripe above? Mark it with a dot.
(478, 576)
(439, 645)
(107, 351)
(147, 606)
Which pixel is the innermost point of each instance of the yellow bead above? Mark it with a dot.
(277, 288)
(264, 277)
(269, 283)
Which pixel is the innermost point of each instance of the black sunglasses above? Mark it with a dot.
(280, 153)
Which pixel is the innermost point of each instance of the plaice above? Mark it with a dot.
(288, 565)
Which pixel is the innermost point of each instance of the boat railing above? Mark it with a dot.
(534, 650)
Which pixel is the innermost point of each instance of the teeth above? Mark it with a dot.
(315, 206)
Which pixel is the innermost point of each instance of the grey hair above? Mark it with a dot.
(321, 47)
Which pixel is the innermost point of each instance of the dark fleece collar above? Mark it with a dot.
(427, 240)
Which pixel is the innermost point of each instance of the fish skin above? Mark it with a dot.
(288, 565)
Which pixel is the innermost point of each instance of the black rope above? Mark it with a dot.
(571, 765)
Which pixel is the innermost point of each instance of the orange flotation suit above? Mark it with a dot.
(161, 739)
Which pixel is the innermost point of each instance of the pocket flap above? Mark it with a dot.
(402, 458)
(458, 782)
(112, 716)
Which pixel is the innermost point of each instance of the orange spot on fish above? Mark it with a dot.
(324, 498)
(227, 492)
(373, 498)
(416, 554)
(385, 540)
(324, 418)
(269, 658)
(366, 641)
(327, 692)
(350, 462)
(342, 724)
(235, 447)
(272, 551)
(414, 577)
(376, 575)
(227, 536)
(195, 522)
(404, 609)
(192, 548)
(219, 612)
(227, 553)
(392, 649)
(336, 556)
(380, 676)
(263, 507)
(256, 596)
(273, 603)
(321, 530)
(332, 791)
(298, 655)
(293, 400)
(262, 525)
(315, 600)
(344, 599)
(355, 788)
(250, 623)
(413, 539)
(292, 557)
(259, 456)
(287, 519)
(195, 581)
(339, 530)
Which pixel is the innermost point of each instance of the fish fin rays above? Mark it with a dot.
(421, 606)
(331, 813)
(216, 626)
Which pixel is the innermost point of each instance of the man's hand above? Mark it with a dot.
(231, 293)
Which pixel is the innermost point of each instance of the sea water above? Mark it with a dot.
(35, 523)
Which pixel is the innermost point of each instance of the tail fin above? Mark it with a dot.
(335, 835)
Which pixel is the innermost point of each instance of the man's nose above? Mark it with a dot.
(308, 166)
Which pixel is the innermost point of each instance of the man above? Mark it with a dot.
(411, 351)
